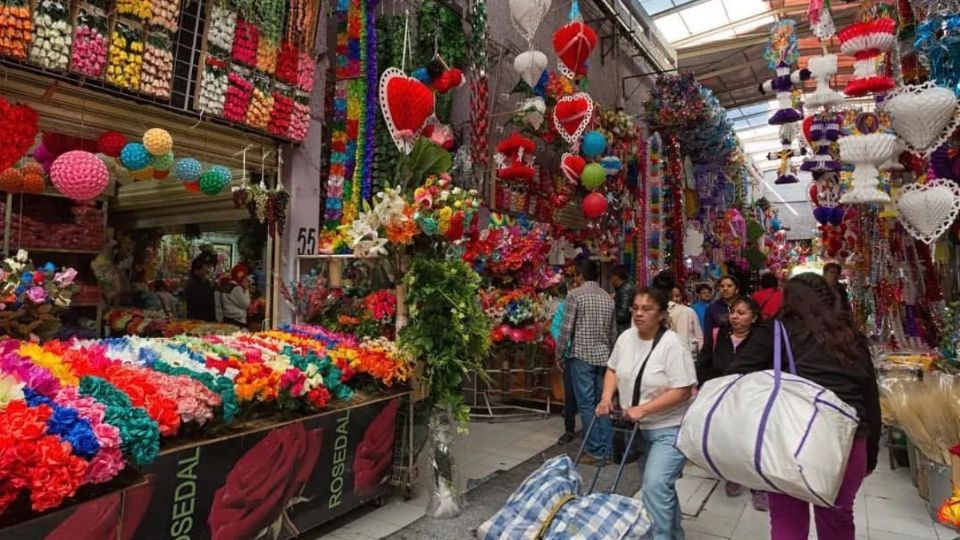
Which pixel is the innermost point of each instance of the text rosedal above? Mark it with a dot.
(339, 461)
(185, 497)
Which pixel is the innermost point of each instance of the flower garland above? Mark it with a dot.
(16, 29)
(356, 107)
(89, 53)
(373, 92)
(333, 205)
(126, 57)
(654, 211)
(51, 44)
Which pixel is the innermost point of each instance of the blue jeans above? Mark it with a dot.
(569, 400)
(663, 466)
(587, 389)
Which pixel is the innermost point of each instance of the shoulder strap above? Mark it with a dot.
(643, 367)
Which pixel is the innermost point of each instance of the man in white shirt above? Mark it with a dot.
(683, 319)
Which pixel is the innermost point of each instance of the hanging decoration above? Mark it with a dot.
(20, 129)
(823, 69)
(928, 210)
(573, 43)
(572, 115)
(821, 22)
(526, 16)
(407, 104)
(370, 104)
(653, 210)
(530, 65)
(515, 156)
(866, 40)
(594, 205)
(79, 175)
(824, 133)
(924, 116)
(866, 149)
(781, 54)
(572, 166)
(479, 87)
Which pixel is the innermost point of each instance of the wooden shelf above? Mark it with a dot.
(60, 250)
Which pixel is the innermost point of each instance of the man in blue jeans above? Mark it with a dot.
(587, 335)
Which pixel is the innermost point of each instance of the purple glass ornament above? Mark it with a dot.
(836, 216)
(822, 215)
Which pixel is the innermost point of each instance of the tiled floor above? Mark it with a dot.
(887, 508)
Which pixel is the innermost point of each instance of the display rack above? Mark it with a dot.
(513, 376)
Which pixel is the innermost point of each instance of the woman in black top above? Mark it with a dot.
(742, 334)
(831, 352)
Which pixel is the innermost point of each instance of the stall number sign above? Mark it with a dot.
(307, 241)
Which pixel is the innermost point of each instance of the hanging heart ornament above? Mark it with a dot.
(526, 16)
(407, 104)
(928, 210)
(923, 115)
(572, 166)
(530, 65)
(573, 43)
(572, 115)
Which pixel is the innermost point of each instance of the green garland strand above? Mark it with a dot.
(478, 36)
(389, 54)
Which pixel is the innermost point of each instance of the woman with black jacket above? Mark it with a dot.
(831, 352)
(744, 334)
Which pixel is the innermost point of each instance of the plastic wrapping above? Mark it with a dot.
(445, 498)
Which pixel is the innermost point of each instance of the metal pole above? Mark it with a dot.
(8, 224)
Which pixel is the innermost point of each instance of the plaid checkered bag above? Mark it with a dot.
(546, 506)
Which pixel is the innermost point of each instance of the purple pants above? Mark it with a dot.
(790, 517)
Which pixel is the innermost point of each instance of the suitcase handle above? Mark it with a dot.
(623, 461)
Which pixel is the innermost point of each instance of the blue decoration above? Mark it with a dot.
(48, 268)
(421, 75)
(594, 143)
(611, 164)
(26, 279)
(223, 174)
(134, 156)
(188, 170)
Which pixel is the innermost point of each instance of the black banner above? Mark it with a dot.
(274, 483)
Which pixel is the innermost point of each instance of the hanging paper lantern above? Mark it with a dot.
(110, 143)
(163, 163)
(594, 205)
(134, 156)
(188, 170)
(592, 176)
(79, 175)
(594, 143)
(611, 164)
(157, 141)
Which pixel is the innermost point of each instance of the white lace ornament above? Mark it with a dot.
(526, 16)
(928, 210)
(923, 115)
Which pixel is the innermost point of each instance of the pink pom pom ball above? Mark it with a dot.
(79, 175)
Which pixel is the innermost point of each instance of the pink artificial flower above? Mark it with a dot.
(65, 278)
(37, 295)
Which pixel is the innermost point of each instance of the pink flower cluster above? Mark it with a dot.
(306, 71)
(108, 462)
(299, 121)
(195, 402)
(89, 51)
(239, 92)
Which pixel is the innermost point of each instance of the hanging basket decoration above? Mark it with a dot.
(866, 152)
(924, 116)
(407, 104)
(526, 16)
(111, 143)
(573, 43)
(822, 69)
(157, 141)
(134, 156)
(572, 115)
(865, 41)
(928, 210)
(79, 175)
(530, 65)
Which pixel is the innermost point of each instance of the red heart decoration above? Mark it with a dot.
(572, 115)
(572, 166)
(20, 123)
(407, 104)
(573, 44)
(807, 125)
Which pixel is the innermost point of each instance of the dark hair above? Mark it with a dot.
(199, 263)
(812, 309)
(660, 298)
(751, 304)
(665, 281)
(160, 285)
(703, 287)
(589, 270)
(732, 279)
(622, 272)
(832, 266)
(769, 281)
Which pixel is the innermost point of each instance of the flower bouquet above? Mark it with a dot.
(310, 298)
(261, 104)
(126, 57)
(89, 54)
(288, 64)
(444, 209)
(389, 220)
(267, 51)
(279, 123)
(299, 117)
(31, 297)
(51, 44)
(223, 24)
(213, 88)
(239, 93)
(245, 38)
(138, 9)
(166, 14)
(157, 66)
(16, 28)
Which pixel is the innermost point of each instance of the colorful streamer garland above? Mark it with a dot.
(370, 118)
(654, 210)
(338, 140)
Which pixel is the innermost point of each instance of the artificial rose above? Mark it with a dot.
(66, 277)
(98, 519)
(37, 295)
(264, 482)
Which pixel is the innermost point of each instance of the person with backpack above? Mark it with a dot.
(769, 297)
(743, 334)
(831, 352)
(652, 371)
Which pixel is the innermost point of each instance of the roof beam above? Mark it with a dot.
(730, 25)
(677, 9)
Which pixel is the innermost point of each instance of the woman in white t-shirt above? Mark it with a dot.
(667, 377)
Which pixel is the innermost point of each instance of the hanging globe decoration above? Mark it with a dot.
(145, 173)
(79, 175)
(111, 143)
(592, 176)
(222, 173)
(164, 162)
(157, 141)
(215, 179)
(134, 156)
(188, 170)
(594, 143)
(192, 187)
(594, 206)
(611, 165)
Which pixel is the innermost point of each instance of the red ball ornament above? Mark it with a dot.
(110, 143)
(594, 205)
(192, 187)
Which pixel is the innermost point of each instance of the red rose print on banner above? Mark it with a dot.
(263, 483)
(99, 519)
(375, 452)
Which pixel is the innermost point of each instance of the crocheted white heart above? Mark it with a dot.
(923, 115)
(526, 16)
(928, 210)
(530, 65)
